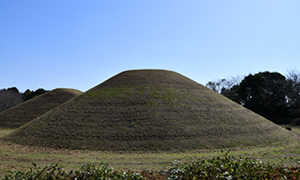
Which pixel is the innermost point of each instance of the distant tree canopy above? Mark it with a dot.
(11, 96)
(269, 94)
(31, 94)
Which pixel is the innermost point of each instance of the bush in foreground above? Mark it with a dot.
(221, 167)
(230, 167)
(88, 171)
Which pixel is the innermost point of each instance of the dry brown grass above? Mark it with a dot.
(16, 156)
(150, 110)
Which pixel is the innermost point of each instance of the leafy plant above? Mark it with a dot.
(230, 167)
(103, 171)
(48, 172)
(220, 167)
(96, 171)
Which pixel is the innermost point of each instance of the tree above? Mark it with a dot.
(293, 93)
(9, 98)
(216, 86)
(27, 94)
(221, 85)
(232, 93)
(265, 94)
(226, 87)
(31, 94)
(269, 94)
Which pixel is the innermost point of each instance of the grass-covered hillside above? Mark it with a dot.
(29, 110)
(147, 110)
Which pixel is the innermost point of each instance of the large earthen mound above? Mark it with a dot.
(149, 110)
(22, 113)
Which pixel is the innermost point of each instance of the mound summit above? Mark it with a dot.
(149, 110)
(24, 112)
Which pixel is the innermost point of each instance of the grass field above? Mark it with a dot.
(13, 156)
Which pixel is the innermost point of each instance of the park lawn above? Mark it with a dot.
(14, 156)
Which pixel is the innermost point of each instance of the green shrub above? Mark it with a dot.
(221, 167)
(230, 167)
(47, 173)
(102, 171)
(94, 171)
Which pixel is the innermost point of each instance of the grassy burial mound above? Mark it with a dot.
(29, 110)
(149, 110)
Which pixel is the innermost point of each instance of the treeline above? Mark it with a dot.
(11, 96)
(270, 94)
(31, 94)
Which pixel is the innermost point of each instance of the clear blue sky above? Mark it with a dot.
(80, 43)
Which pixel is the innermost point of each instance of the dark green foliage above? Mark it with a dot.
(265, 94)
(269, 94)
(96, 171)
(230, 167)
(32, 94)
(103, 171)
(293, 94)
(221, 167)
(49, 172)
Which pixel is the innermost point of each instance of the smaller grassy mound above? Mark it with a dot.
(22, 113)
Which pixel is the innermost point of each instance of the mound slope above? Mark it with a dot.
(149, 110)
(22, 113)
